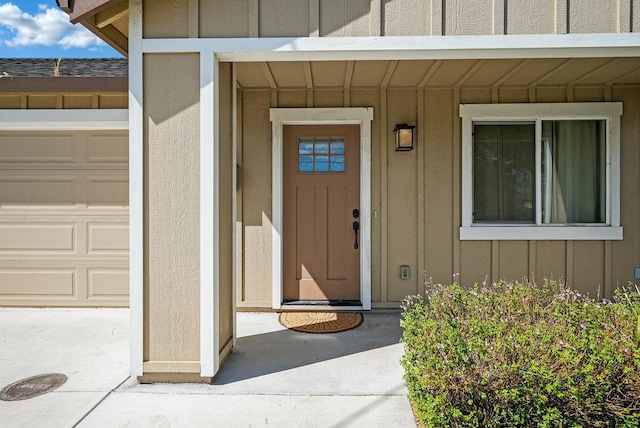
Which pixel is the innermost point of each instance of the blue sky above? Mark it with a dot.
(39, 29)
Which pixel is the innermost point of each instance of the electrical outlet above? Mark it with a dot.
(404, 272)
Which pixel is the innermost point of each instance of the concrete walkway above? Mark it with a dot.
(274, 377)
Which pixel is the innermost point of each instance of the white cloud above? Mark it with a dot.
(49, 27)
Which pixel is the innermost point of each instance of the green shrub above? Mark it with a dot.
(519, 354)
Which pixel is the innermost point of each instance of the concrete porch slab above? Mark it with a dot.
(274, 377)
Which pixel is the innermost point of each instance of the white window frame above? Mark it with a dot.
(486, 113)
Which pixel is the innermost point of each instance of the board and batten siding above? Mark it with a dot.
(339, 18)
(416, 196)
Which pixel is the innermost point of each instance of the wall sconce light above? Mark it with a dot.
(404, 137)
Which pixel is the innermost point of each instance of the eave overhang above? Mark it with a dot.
(98, 16)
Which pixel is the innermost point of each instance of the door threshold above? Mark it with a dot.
(323, 302)
(322, 305)
(325, 308)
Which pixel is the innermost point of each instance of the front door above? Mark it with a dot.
(321, 214)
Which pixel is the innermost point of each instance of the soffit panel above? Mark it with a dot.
(328, 73)
(492, 71)
(630, 78)
(250, 75)
(575, 69)
(288, 74)
(611, 71)
(450, 72)
(410, 73)
(369, 73)
(534, 71)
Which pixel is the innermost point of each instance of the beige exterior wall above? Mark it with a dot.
(417, 196)
(172, 215)
(171, 206)
(338, 18)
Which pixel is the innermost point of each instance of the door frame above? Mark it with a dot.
(281, 117)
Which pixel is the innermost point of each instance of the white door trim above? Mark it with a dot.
(362, 116)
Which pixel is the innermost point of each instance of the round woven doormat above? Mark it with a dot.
(320, 322)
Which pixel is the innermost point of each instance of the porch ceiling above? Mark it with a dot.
(439, 73)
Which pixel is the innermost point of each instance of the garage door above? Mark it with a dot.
(64, 218)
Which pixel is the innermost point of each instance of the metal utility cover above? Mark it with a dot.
(32, 387)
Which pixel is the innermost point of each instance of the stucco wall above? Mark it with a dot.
(338, 18)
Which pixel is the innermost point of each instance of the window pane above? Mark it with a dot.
(305, 163)
(322, 164)
(337, 147)
(573, 171)
(337, 164)
(322, 147)
(305, 146)
(503, 173)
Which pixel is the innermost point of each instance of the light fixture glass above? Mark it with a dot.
(404, 137)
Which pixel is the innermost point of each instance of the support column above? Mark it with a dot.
(209, 216)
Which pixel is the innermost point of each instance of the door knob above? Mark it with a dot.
(356, 213)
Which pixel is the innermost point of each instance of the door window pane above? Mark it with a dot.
(503, 173)
(322, 163)
(337, 164)
(305, 147)
(573, 171)
(337, 147)
(305, 163)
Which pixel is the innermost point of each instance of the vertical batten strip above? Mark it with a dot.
(136, 189)
(495, 260)
(561, 17)
(532, 261)
(499, 13)
(194, 25)
(456, 180)
(314, 18)
(437, 18)
(624, 16)
(607, 287)
(234, 199)
(384, 198)
(375, 18)
(254, 18)
(209, 217)
(569, 264)
(422, 149)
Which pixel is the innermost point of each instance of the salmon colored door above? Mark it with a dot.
(321, 214)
